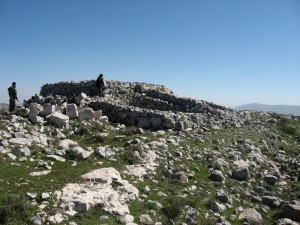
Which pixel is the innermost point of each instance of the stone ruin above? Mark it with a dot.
(148, 106)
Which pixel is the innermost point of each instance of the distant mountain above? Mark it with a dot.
(3, 105)
(281, 109)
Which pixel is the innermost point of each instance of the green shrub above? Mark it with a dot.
(15, 210)
(174, 206)
(285, 126)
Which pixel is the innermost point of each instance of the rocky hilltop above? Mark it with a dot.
(142, 155)
(145, 105)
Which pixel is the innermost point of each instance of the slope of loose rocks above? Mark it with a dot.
(217, 173)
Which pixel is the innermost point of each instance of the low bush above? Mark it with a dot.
(15, 210)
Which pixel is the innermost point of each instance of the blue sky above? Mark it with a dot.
(228, 52)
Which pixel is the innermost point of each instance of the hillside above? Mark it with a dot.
(142, 155)
(280, 109)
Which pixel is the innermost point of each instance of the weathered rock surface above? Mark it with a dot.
(59, 119)
(191, 160)
(103, 186)
(292, 211)
(252, 217)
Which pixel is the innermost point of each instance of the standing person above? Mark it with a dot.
(12, 92)
(100, 85)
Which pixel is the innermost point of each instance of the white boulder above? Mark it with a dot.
(87, 114)
(72, 111)
(59, 119)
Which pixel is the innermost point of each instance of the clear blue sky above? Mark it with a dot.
(228, 52)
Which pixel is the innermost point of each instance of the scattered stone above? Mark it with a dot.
(57, 218)
(86, 114)
(59, 119)
(31, 195)
(56, 158)
(216, 175)
(45, 195)
(217, 207)
(286, 221)
(101, 151)
(270, 179)
(36, 119)
(241, 173)
(127, 218)
(40, 173)
(12, 156)
(72, 111)
(37, 220)
(224, 198)
(104, 119)
(103, 218)
(252, 217)
(65, 144)
(292, 211)
(78, 151)
(146, 219)
(271, 201)
(25, 151)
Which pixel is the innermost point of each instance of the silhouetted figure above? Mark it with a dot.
(72, 99)
(100, 85)
(12, 92)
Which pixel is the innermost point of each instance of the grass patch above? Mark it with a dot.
(15, 210)
(96, 216)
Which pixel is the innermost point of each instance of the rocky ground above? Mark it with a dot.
(72, 166)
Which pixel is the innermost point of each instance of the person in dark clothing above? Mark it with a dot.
(12, 92)
(100, 85)
(72, 99)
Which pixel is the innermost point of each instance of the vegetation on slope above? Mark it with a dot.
(281, 134)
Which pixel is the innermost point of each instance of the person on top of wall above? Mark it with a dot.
(100, 84)
(72, 98)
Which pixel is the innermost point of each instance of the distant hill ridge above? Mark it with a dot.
(281, 109)
(4, 105)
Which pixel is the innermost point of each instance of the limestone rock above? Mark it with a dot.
(101, 151)
(217, 207)
(103, 186)
(270, 179)
(57, 218)
(72, 111)
(145, 219)
(271, 201)
(127, 218)
(216, 175)
(40, 173)
(241, 173)
(12, 156)
(78, 151)
(292, 211)
(25, 151)
(59, 119)
(65, 144)
(37, 220)
(48, 110)
(87, 114)
(104, 119)
(56, 157)
(35, 119)
(252, 217)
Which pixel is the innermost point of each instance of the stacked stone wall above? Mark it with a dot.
(147, 106)
(146, 118)
(88, 87)
(149, 96)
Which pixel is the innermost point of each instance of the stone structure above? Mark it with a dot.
(147, 106)
(88, 87)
